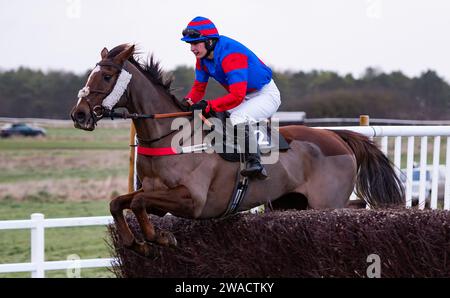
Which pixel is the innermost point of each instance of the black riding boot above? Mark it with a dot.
(253, 166)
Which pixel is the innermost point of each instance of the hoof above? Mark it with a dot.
(166, 239)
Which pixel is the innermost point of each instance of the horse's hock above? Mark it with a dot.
(339, 243)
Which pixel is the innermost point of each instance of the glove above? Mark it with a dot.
(202, 105)
(185, 105)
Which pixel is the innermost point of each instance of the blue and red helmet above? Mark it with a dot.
(199, 29)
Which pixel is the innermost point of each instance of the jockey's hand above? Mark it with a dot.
(202, 105)
(186, 106)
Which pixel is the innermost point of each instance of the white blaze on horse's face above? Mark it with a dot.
(96, 69)
(85, 90)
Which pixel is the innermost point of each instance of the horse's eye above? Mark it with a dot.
(107, 78)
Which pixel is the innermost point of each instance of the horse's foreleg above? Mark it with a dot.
(177, 201)
(116, 207)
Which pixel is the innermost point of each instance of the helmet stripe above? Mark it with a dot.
(198, 23)
(207, 32)
(202, 27)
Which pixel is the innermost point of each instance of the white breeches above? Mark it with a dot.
(257, 106)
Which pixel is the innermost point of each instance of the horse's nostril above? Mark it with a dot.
(80, 116)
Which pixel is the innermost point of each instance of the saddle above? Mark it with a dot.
(267, 140)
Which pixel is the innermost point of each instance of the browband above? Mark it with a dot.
(109, 63)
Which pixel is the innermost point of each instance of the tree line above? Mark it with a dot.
(26, 92)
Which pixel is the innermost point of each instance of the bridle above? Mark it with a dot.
(98, 111)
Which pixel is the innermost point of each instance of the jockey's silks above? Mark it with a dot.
(236, 68)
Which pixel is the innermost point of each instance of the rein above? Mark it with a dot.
(126, 115)
(152, 151)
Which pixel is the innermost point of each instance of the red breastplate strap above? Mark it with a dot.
(157, 151)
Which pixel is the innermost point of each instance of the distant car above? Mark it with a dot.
(21, 129)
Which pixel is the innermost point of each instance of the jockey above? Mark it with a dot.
(252, 94)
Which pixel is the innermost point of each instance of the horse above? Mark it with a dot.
(320, 170)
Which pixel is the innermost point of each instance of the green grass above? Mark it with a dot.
(86, 242)
(70, 153)
(71, 138)
(65, 153)
(24, 174)
(51, 207)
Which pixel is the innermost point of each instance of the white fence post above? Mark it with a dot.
(447, 177)
(409, 171)
(423, 171)
(435, 175)
(384, 145)
(398, 155)
(38, 245)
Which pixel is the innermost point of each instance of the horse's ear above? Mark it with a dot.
(104, 53)
(124, 55)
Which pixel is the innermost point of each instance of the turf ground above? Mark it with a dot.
(68, 173)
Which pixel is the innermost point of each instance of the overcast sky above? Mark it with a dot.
(343, 36)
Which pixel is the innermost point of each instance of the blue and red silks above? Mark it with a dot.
(236, 68)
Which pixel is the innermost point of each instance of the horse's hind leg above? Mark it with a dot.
(116, 207)
(177, 201)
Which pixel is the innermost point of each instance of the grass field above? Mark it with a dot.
(70, 164)
(72, 139)
(68, 173)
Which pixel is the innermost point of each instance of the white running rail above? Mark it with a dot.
(37, 224)
(410, 133)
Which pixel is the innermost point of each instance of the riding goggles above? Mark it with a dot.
(191, 33)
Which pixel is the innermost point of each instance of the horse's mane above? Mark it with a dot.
(151, 69)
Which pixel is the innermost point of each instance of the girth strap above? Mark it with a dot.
(240, 190)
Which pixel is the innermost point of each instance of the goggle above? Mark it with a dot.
(191, 33)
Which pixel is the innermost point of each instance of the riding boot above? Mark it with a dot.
(252, 153)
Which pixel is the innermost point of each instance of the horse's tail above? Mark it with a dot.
(377, 182)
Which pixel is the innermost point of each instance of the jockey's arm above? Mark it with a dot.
(232, 99)
(197, 91)
(235, 67)
(199, 87)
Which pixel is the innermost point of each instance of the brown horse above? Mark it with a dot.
(322, 167)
